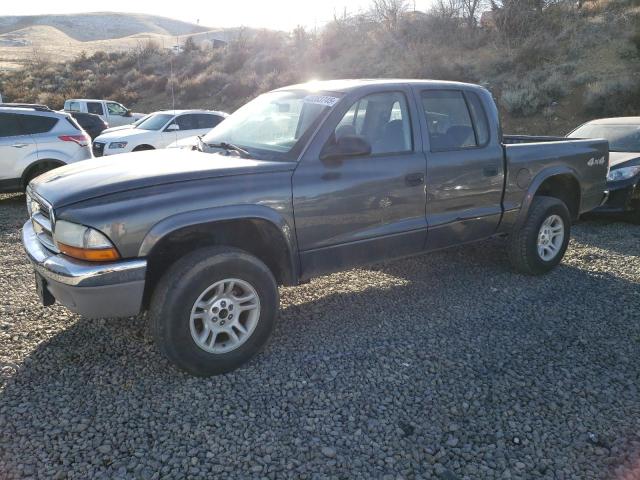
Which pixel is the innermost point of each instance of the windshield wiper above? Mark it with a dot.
(230, 147)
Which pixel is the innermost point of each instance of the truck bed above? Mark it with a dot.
(527, 156)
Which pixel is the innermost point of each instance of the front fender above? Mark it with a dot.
(219, 214)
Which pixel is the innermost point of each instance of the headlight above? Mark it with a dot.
(623, 173)
(83, 243)
(114, 145)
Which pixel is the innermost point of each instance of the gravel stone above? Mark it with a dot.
(329, 452)
(429, 367)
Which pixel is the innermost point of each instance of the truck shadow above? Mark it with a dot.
(442, 331)
(609, 233)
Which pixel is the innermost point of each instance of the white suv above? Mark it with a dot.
(35, 139)
(158, 130)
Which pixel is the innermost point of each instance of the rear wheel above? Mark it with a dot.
(541, 242)
(213, 310)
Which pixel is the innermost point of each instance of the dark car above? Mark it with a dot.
(90, 123)
(301, 182)
(623, 180)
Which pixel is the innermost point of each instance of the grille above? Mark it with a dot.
(41, 216)
(98, 149)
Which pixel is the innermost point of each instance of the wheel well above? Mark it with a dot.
(564, 187)
(258, 237)
(43, 165)
(143, 147)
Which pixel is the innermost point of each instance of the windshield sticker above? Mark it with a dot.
(321, 100)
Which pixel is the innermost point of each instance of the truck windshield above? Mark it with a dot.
(155, 122)
(622, 138)
(274, 126)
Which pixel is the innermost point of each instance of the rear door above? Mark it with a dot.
(40, 129)
(17, 148)
(355, 210)
(465, 167)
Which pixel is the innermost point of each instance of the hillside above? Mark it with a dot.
(549, 69)
(88, 27)
(24, 39)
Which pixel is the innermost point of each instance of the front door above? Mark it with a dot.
(354, 210)
(465, 170)
(117, 115)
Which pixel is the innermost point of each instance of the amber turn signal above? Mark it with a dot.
(90, 254)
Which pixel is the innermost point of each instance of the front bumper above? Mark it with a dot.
(623, 197)
(93, 290)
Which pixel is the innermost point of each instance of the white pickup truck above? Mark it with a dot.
(114, 113)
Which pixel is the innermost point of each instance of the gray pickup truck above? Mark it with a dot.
(300, 182)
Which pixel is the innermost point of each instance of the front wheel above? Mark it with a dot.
(213, 310)
(540, 243)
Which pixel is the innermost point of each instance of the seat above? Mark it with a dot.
(392, 139)
(459, 136)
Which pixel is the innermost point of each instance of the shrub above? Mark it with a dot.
(523, 100)
(612, 97)
(529, 97)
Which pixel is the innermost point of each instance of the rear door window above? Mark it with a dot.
(204, 120)
(95, 108)
(479, 117)
(9, 125)
(34, 124)
(448, 120)
(187, 122)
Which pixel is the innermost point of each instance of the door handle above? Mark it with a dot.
(19, 145)
(414, 179)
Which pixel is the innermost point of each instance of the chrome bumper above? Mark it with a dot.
(94, 290)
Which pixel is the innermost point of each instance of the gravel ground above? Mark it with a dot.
(443, 366)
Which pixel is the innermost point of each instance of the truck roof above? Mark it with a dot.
(346, 85)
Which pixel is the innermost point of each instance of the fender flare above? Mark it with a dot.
(535, 184)
(220, 214)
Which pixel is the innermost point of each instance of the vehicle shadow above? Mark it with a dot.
(453, 337)
(609, 233)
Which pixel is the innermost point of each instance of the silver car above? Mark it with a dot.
(35, 139)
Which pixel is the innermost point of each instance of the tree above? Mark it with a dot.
(467, 10)
(388, 12)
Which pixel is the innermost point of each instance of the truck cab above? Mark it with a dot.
(113, 113)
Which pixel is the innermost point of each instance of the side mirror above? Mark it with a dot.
(173, 127)
(128, 114)
(346, 146)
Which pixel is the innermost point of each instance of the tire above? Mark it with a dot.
(524, 253)
(37, 171)
(142, 148)
(177, 329)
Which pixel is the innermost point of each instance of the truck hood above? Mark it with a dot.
(129, 171)
(617, 159)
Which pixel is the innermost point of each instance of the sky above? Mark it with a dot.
(275, 14)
